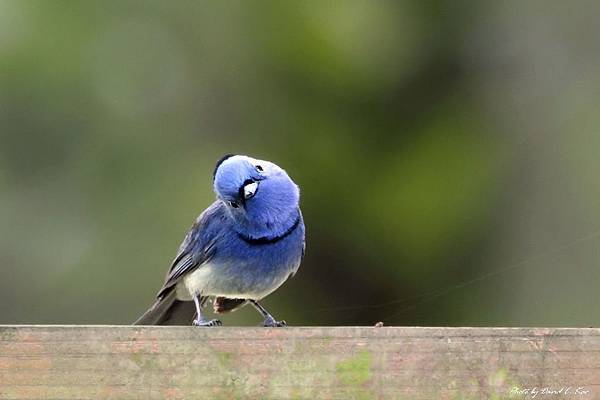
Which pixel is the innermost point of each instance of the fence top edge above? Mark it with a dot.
(491, 329)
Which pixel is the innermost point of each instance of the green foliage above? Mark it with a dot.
(427, 151)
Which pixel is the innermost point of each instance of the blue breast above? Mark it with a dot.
(257, 265)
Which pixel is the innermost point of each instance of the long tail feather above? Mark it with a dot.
(161, 311)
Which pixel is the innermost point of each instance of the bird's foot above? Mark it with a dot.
(205, 322)
(272, 323)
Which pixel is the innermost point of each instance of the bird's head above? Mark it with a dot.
(255, 191)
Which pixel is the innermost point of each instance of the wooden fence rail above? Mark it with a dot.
(123, 362)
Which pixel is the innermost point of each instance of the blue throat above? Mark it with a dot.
(270, 239)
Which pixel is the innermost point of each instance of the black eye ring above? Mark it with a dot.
(259, 168)
(234, 204)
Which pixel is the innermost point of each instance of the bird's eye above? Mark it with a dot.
(234, 204)
(259, 168)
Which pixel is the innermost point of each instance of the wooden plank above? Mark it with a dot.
(124, 362)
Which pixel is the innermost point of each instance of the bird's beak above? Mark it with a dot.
(250, 190)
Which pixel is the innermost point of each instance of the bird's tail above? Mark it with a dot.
(162, 311)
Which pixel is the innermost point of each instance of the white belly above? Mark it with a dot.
(204, 281)
(194, 283)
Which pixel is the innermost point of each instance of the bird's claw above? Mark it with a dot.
(272, 323)
(206, 323)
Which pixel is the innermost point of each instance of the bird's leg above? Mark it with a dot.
(269, 320)
(199, 320)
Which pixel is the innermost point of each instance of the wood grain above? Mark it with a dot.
(122, 362)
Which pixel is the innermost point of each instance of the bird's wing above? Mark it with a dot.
(198, 247)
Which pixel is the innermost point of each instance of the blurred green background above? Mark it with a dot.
(434, 143)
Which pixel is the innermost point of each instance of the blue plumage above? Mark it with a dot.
(240, 249)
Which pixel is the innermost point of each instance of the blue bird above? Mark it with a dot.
(240, 249)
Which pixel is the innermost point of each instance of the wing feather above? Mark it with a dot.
(198, 247)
